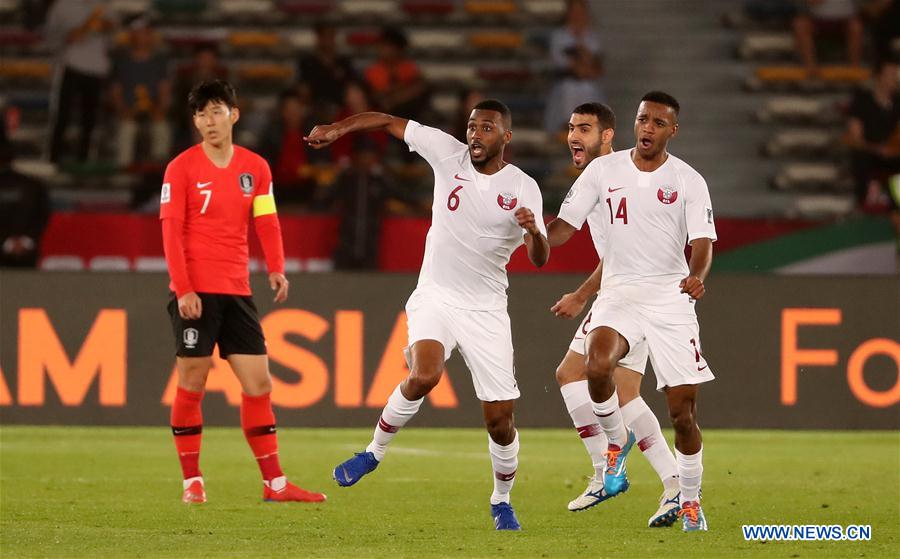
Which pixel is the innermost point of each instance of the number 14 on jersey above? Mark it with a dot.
(621, 211)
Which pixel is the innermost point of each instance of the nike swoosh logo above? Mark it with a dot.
(180, 431)
(459, 178)
(204, 184)
(614, 189)
(703, 367)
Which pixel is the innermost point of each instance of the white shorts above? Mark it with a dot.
(484, 339)
(673, 340)
(636, 359)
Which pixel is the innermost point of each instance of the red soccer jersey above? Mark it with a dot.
(215, 204)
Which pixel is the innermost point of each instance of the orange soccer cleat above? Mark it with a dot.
(194, 493)
(292, 493)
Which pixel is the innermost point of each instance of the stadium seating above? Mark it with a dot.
(795, 77)
(432, 40)
(183, 10)
(767, 46)
(428, 7)
(505, 40)
(25, 70)
(814, 142)
(369, 8)
(301, 8)
(255, 41)
(491, 7)
(242, 10)
(799, 109)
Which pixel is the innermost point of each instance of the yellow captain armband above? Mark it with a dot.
(264, 205)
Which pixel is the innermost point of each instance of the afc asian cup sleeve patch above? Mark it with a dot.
(709, 215)
(165, 196)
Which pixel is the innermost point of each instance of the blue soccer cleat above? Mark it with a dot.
(692, 519)
(669, 507)
(614, 479)
(505, 517)
(351, 471)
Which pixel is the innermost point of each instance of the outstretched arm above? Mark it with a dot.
(701, 261)
(570, 305)
(559, 232)
(324, 134)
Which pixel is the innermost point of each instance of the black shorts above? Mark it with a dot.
(231, 321)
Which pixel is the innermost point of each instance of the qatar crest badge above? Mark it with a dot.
(667, 194)
(507, 201)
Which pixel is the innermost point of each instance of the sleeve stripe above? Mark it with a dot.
(263, 205)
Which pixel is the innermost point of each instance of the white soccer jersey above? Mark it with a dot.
(649, 216)
(473, 226)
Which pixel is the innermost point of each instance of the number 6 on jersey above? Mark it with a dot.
(453, 199)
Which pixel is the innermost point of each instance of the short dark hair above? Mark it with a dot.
(497, 106)
(662, 98)
(605, 116)
(211, 91)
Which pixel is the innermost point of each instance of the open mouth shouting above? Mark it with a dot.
(578, 154)
(477, 150)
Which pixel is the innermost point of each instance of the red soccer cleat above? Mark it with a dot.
(292, 493)
(194, 494)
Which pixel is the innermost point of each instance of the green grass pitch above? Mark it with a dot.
(115, 492)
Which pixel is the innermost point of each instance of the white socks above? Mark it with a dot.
(640, 419)
(609, 416)
(690, 470)
(578, 402)
(396, 414)
(505, 461)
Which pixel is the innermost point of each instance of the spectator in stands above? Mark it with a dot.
(79, 31)
(24, 210)
(395, 79)
(883, 18)
(283, 147)
(356, 100)
(325, 72)
(827, 16)
(873, 133)
(576, 54)
(205, 66)
(142, 94)
(360, 196)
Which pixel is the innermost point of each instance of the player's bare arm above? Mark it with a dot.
(559, 232)
(279, 285)
(701, 261)
(570, 305)
(324, 134)
(535, 241)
